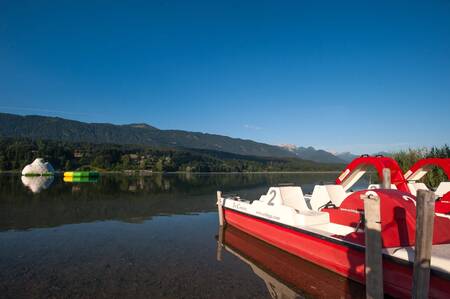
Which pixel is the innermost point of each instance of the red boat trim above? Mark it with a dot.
(303, 231)
(340, 242)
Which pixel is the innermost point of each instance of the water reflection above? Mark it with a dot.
(285, 275)
(87, 179)
(37, 183)
(139, 237)
(127, 198)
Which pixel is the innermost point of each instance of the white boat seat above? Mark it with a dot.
(308, 218)
(322, 194)
(273, 197)
(291, 196)
(412, 188)
(337, 194)
(319, 197)
(442, 189)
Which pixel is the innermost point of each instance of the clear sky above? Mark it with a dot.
(338, 75)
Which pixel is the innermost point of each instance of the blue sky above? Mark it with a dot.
(343, 76)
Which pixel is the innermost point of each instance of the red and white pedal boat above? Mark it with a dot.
(409, 182)
(327, 229)
(420, 169)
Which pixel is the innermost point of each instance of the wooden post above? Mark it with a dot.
(219, 208)
(386, 184)
(220, 244)
(373, 255)
(424, 238)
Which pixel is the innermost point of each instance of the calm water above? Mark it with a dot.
(141, 237)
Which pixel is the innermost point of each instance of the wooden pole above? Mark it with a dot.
(374, 262)
(219, 208)
(424, 238)
(386, 184)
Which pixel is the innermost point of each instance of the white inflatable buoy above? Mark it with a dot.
(38, 168)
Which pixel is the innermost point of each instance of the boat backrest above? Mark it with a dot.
(378, 186)
(291, 196)
(273, 197)
(412, 188)
(319, 197)
(322, 194)
(337, 194)
(442, 189)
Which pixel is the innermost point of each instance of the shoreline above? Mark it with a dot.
(147, 173)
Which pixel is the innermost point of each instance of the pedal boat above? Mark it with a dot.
(409, 182)
(420, 169)
(327, 228)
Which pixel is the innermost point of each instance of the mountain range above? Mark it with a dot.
(56, 128)
(310, 153)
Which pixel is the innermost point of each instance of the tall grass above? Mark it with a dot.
(407, 158)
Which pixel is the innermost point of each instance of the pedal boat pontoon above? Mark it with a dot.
(327, 228)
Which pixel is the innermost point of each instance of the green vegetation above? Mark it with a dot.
(16, 153)
(407, 158)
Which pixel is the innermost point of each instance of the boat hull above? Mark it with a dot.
(341, 257)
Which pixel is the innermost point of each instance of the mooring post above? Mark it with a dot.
(424, 238)
(219, 207)
(373, 262)
(386, 184)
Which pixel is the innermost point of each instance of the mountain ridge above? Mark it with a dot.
(57, 128)
(312, 154)
(61, 129)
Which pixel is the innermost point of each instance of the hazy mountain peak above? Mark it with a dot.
(142, 126)
(289, 147)
(310, 153)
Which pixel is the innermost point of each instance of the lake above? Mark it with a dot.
(150, 236)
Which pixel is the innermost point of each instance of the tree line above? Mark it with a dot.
(15, 153)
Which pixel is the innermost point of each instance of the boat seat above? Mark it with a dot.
(319, 197)
(337, 194)
(273, 197)
(442, 189)
(291, 196)
(412, 189)
(322, 194)
(309, 218)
